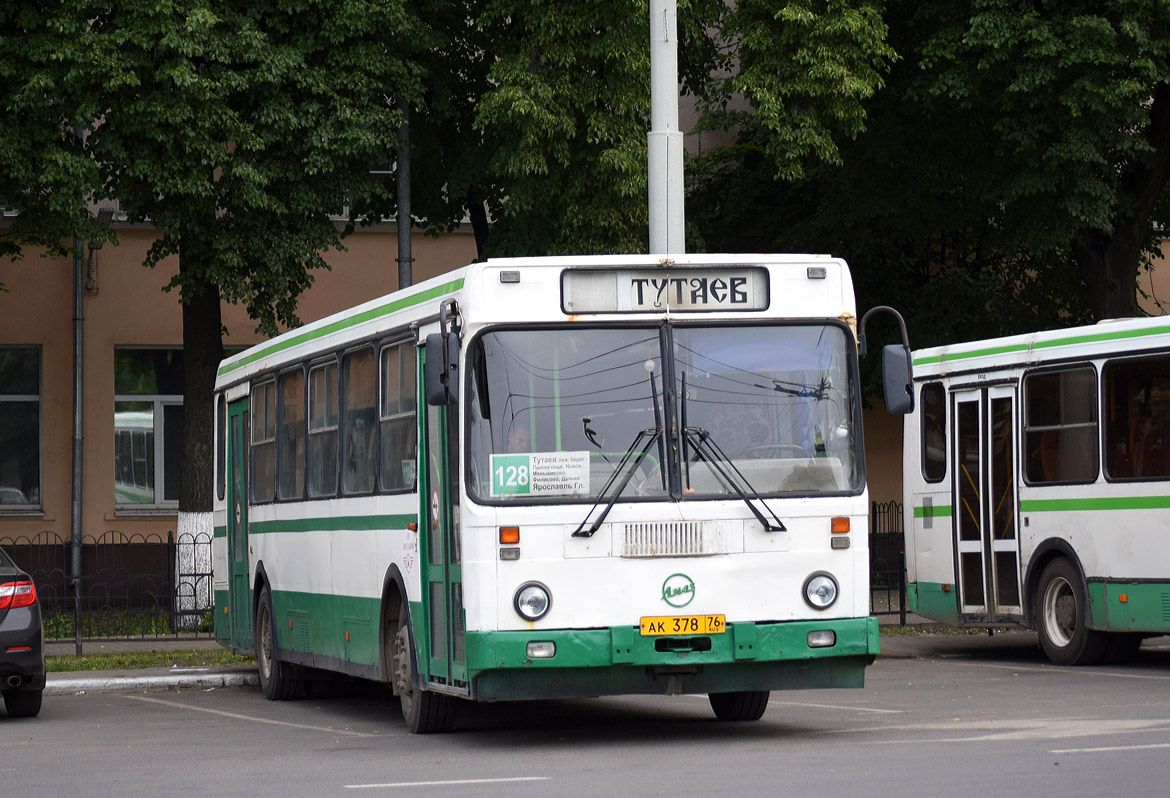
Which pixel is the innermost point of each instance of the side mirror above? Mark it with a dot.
(440, 368)
(896, 379)
(897, 371)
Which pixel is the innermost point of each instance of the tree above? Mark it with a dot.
(45, 175)
(236, 128)
(1011, 175)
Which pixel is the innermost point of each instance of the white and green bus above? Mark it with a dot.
(1038, 470)
(555, 477)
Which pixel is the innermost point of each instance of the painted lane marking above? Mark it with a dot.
(392, 785)
(237, 716)
(1070, 672)
(834, 706)
(1109, 748)
(1016, 730)
(701, 697)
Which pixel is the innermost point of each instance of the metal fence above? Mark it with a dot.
(133, 587)
(887, 560)
(136, 587)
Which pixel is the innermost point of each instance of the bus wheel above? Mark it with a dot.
(424, 711)
(745, 705)
(274, 675)
(1062, 618)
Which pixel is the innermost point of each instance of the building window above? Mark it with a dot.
(934, 432)
(322, 449)
(264, 442)
(20, 427)
(1137, 413)
(1060, 426)
(290, 446)
(398, 417)
(148, 427)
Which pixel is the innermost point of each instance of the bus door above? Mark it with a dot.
(443, 640)
(240, 586)
(986, 538)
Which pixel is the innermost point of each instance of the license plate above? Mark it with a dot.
(683, 625)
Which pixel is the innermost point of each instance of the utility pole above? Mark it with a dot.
(667, 221)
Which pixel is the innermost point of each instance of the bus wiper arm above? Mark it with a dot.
(705, 446)
(645, 438)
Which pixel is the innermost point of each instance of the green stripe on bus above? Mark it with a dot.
(937, 511)
(219, 532)
(332, 524)
(1104, 503)
(263, 351)
(1096, 337)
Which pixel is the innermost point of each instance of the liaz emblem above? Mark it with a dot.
(678, 590)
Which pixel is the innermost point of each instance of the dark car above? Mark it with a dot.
(22, 641)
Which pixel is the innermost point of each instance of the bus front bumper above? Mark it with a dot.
(616, 661)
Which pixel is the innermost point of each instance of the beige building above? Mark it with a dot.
(133, 377)
(133, 374)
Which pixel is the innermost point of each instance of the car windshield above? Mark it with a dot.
(557, 413)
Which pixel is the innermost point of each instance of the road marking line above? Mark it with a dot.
(1070, 671)
(1109, 748)
(443, 783)
(835, 706)
(238, 716)
(818, 706)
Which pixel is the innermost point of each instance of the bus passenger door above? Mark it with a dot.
(986, 536)
(240, 587)
(443, 638)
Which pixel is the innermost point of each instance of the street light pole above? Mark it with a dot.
(665, 141)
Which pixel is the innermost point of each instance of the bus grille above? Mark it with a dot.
(674, 539)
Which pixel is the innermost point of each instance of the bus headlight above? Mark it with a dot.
(820, 591)
(532, 601)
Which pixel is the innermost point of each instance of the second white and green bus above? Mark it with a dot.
(1038, 470)
(555, 477)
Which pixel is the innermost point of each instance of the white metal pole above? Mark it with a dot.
(665, 142)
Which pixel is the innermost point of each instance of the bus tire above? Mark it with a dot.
(275, 677)
(424, 711)
(739, 706)
(1062, 617)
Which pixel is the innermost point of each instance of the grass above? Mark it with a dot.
(133, 660)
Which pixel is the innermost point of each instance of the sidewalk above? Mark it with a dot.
(203, 678)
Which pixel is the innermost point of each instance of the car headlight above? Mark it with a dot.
(532, 601)
(820, 591)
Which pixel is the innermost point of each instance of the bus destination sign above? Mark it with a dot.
(659, 290)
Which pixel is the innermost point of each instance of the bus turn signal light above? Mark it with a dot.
(509, 535)
(840, 525)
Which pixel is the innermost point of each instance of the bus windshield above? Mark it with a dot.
(685, 411)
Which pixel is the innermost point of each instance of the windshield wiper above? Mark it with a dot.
(704, 447)
(644, 437)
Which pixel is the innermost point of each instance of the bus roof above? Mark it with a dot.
(1018, 351)
(486, 297)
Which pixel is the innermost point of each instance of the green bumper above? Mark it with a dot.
(749, 656)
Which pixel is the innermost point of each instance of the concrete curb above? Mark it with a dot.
(189, 678)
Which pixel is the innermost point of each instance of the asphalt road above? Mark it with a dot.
(939, 716)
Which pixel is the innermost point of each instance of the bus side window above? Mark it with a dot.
(322, 447)
(934, 432)
(397, 417)
(1060, 426)
(358, 421)
(264, 442)
(1137, 412)
(290, 444)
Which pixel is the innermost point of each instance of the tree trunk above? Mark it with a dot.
(1109, 266)
(202, 351)
(479, 224)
